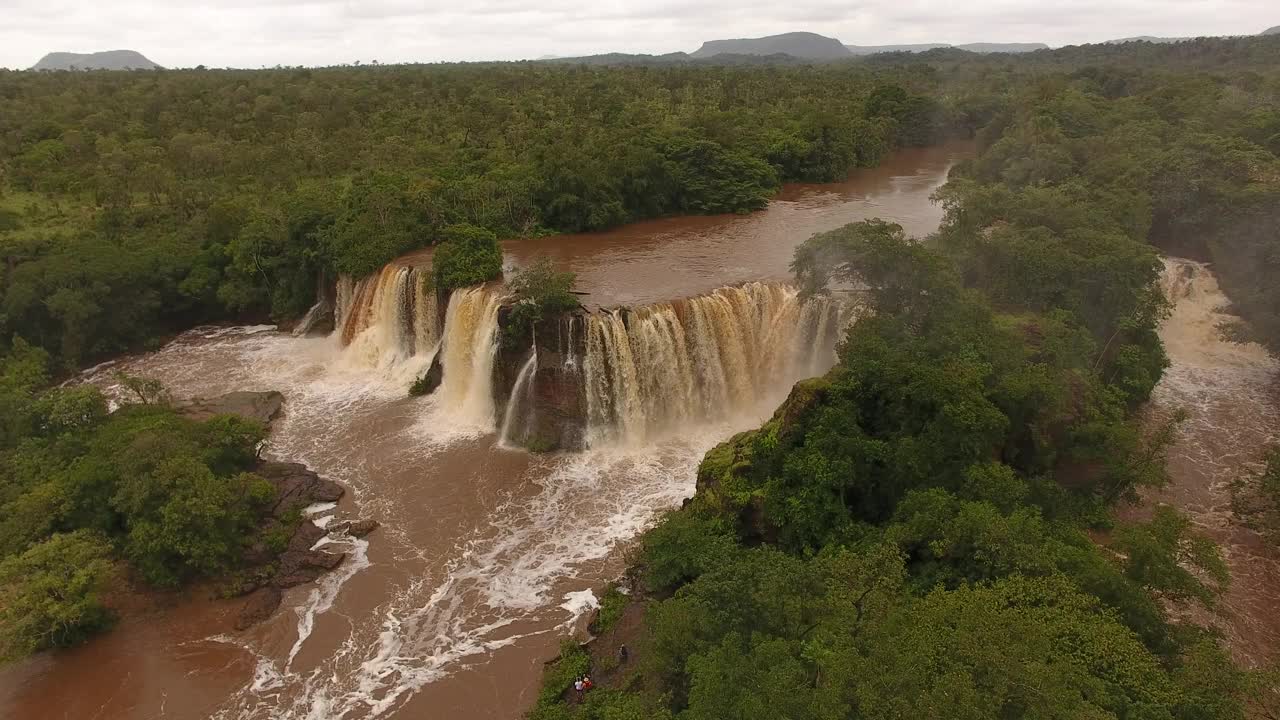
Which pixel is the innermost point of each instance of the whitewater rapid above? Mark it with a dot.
(514, 569)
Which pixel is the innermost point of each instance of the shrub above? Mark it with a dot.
(539, 291)
(49, 595)
(468, 255)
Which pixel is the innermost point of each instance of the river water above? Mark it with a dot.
(1231, 398)
(486, 556)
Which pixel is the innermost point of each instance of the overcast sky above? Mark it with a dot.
(255, 33)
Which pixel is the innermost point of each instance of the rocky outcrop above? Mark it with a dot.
(263, 407)
(296, 486)
(270, 572)
(357, 528)
(267, 570)
(298, 567)
(431, 380)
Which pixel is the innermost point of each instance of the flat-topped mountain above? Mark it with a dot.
(108, 60)
(806, 45)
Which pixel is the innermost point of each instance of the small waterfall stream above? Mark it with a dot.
(520, 402)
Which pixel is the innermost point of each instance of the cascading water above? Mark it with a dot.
(519, 403)
(702, 359)
(387, 318)
(308, 321)
(1227, 390)
(469, 345)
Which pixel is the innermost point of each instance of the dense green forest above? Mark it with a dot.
(135, 204)
(86, 493)
(926, 531)
(907, 537)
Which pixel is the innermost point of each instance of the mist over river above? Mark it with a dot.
(486, 556)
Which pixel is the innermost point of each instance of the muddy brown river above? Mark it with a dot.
(486, 556)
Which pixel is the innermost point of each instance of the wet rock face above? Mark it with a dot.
(263, 407)
(299, 567)
(430, 382)
(552, 413)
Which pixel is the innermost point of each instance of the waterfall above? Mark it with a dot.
(521, 392)
(469, 345)
(386, 318)
(708, 358)
(308, 321)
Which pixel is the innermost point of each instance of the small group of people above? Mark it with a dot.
(582, 683)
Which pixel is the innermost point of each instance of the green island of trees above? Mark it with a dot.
(88, 495)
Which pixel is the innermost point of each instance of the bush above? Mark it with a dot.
(49, 595)
(468, 255)
(538, 291)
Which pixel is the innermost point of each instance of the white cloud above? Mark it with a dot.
(252, 33)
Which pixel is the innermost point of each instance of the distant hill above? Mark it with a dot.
(874, 49)
(925, 47)
(1146, 38)
(810, 46)
(1271, 31)
(1002, 47)
(108, 60)
(675, 58)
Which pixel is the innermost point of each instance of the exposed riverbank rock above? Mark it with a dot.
(260, 605)
(299, 567)
(357, 528)
(296, 486)
(299, 563)
(261, 406)
(266, 572)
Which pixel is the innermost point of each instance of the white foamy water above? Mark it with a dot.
(1229, 393)
(522, 567)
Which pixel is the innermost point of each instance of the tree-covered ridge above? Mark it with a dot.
(136, 204)
(912, 534)
(906, 537)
